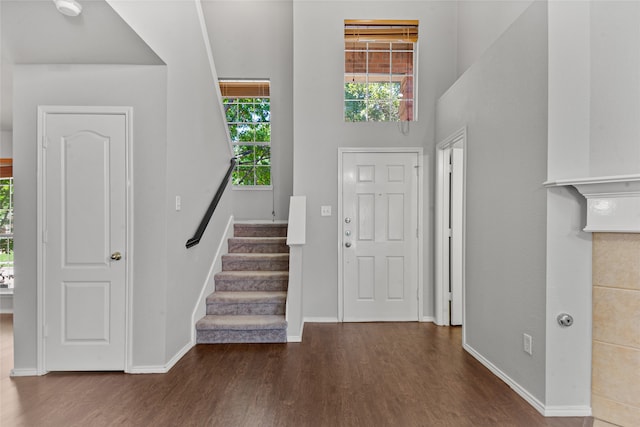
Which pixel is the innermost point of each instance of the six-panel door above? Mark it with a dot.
(379, 236)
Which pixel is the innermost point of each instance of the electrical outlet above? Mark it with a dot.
(527, 344)
(325, 210)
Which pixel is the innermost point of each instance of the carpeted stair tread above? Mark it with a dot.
(265, 230)
(258, 239)
(255, 262)
(257, 256)
(252, 280)
(245, 274)
(239, 323)
(258, 245)
(268, 297)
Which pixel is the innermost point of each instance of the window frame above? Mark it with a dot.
(362, 34)
(8, 236)
(246, 93)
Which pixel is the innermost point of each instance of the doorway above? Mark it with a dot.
(449, 233)
(379, 235)
(84, 255)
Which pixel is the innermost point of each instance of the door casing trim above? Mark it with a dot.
(419, 154)
(441, 292)
(43, 111)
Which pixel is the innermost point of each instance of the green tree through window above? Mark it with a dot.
(373, 102)
(248, 111)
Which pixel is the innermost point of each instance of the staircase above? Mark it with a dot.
(248, 305)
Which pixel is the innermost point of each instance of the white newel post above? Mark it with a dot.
(296, 238)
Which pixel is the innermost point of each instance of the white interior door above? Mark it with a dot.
(379, 236)
(449, 230)
(456, 246)
(84, 241)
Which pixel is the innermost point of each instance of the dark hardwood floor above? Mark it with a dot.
(375, 374)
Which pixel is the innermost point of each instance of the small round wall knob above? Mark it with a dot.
(565, 320)
(348, 244)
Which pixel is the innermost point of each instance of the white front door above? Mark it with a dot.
(379, 233)
(84, 240)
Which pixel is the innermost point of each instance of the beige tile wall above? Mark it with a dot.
(615, 396)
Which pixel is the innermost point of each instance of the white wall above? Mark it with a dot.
(143, 88)
(263, 49)
(6, 144)
(33, 32)
(481, 23)
(615, 88)
(198, 152)
(594, 89)
(6, 303)
(319, 127)
(502, 99)
(569, 89)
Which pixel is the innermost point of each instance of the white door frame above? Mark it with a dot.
(43, 111)
(442, 311)
(418, 151)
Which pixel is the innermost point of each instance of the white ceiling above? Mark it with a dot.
(34, 32)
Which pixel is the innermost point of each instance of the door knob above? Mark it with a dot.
(347, 220)
(348, 244)
(116, 256)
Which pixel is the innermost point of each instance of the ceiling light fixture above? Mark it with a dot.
(68, 7)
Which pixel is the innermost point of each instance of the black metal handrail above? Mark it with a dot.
(212, 207)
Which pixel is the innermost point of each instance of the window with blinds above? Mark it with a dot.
(6, 226)
(379, 70)
(247, 106)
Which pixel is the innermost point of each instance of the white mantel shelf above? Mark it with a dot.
(613, 202)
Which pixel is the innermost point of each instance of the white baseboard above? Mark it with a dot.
(532, 400)
(547, 411)
(567, 411)
(335, 319)
(26, 373)
(296, 338)
(149, 369)
(162, 369)
(321, 320)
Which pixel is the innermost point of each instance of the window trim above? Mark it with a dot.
(3, 236)
(248, 89)
(362, 33)
(252, 187)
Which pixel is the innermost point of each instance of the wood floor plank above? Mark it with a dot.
(375, 374)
